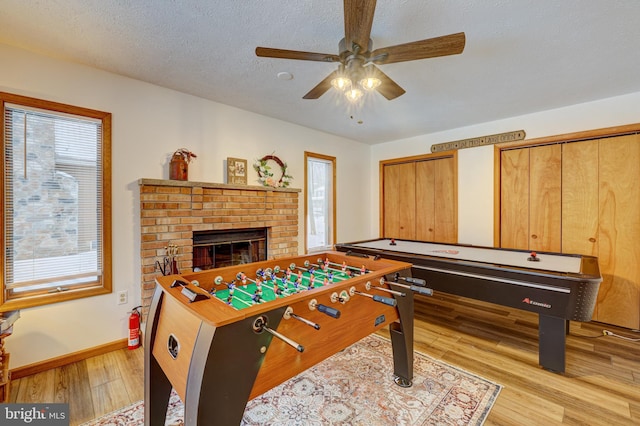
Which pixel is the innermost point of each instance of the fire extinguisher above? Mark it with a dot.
(134, 328)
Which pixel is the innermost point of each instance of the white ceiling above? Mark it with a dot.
(521, 56)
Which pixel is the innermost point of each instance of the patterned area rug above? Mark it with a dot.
(355, 387)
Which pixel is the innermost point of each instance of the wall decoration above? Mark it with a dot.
(272, 171)
(479, 141)
(179, 164)
(236, 171)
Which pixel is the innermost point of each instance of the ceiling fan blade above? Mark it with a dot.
(388, 88)
(321, 87)
(268, 52)
(358, 19)
(451, 44)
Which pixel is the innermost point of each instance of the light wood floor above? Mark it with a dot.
(600, 387)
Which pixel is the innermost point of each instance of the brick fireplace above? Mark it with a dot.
(170, 212)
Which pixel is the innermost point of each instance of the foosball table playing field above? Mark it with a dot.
(221, 337)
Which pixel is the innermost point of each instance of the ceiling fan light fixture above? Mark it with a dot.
(341, 83)
(370, 83)
(353, 94)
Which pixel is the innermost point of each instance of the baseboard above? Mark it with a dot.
(49, 364)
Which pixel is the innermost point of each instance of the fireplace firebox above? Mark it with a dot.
(216, 249)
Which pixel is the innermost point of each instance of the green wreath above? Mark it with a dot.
(266, 172)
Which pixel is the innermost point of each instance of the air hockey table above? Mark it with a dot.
(558, 287)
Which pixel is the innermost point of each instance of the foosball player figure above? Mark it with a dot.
(232, 289)
(344, 267)
(283, 280)
(288, 274)
(276, 289)
(363, 270)
(298, 283)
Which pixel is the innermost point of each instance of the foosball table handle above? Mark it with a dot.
(422, 290)
(417, 281)
(386, 300)
(333, 313)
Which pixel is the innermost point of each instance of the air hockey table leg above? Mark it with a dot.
(552, 340)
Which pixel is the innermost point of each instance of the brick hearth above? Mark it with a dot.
(171, 210)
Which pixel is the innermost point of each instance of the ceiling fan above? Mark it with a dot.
(357, 58)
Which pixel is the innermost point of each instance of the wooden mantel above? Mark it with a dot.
(190, 184)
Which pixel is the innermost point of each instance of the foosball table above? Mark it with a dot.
(221, 337)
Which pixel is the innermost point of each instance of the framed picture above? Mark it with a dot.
(236, 171)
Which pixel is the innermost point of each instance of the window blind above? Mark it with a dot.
(53, 201)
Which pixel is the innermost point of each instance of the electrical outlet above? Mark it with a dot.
(123, 297)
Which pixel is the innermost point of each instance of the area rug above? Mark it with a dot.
(355, 387)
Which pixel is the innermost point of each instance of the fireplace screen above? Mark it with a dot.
(216, 249)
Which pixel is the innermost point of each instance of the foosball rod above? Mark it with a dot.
(416, 289)
(320, 270)
(394, 292)
(237, 287)
(248, 294)
(324, 265)
(294, 267)
(269, 275)
(265, 282)
(285, 339)
(294, 283)
(289, 314)
(232, 288)
(386, 300)
(261, 324)
(243, 277)
(353, 268)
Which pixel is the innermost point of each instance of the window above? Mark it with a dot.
(55, 215)
(320, 202)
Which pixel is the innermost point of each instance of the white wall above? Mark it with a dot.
(475, 165)
(149, 123)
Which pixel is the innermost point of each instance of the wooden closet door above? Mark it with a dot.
(545, 206)
(514, 199)
(425, 201)
(619, 245)
(446, 214)
(580, 197)
(399, 200)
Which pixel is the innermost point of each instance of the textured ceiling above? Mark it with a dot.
(520, 57)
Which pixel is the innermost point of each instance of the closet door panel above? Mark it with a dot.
(580, 198)
(545, 206)
(514, 199)
(425, 201)
(446, 217)
(619, 247)
(399, 201)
